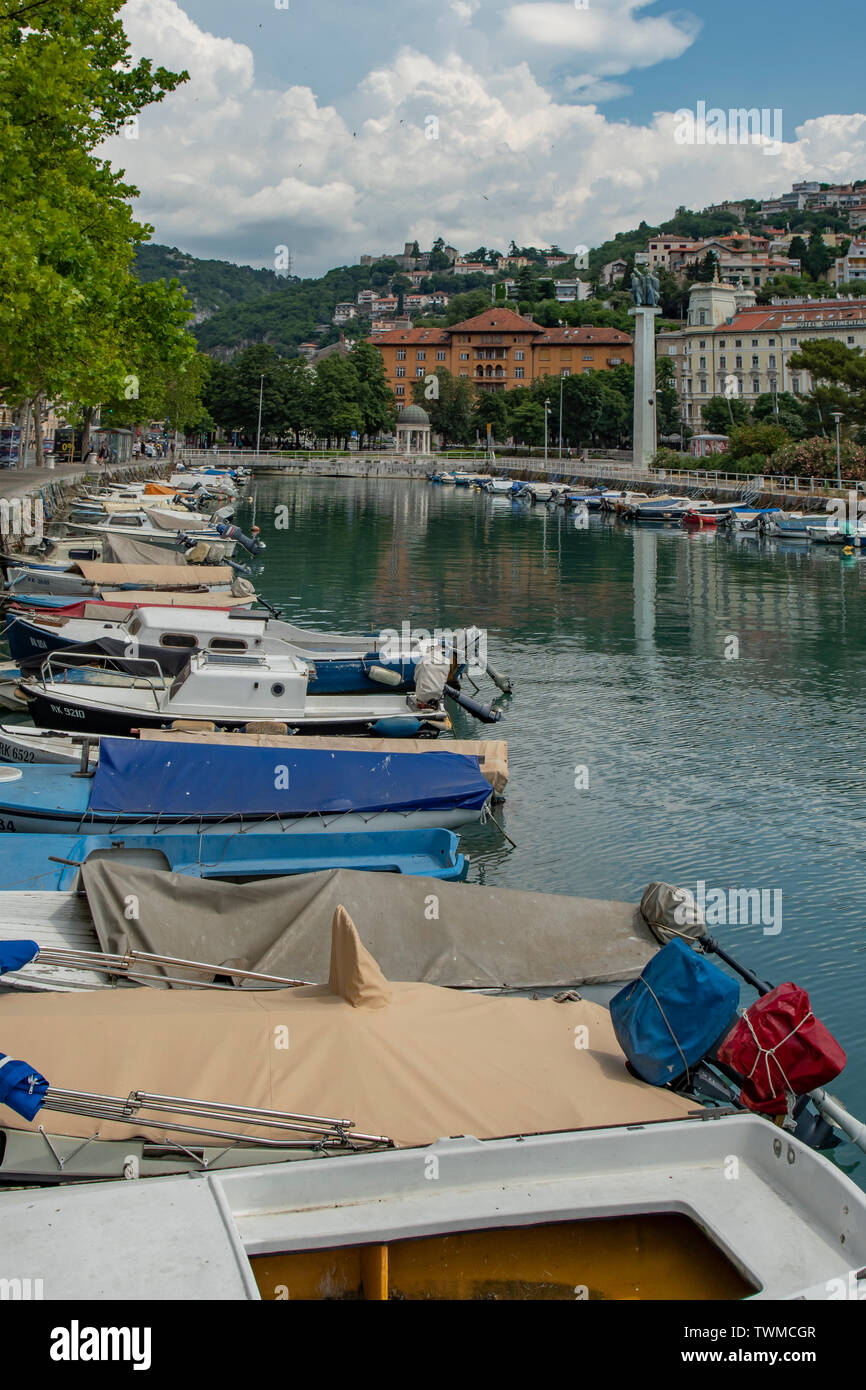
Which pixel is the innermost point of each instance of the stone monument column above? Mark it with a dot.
(645, 433)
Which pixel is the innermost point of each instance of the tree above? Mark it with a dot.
(668, 418)
(66, 84)
(334, 404)
(722, 413)
(818, 258)
(451, 406)
(375, 401)
(798, 251)
(756, 438)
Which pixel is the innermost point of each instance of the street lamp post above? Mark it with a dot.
(837, 416)
(259, 433)
(561, 380)
(546, 412)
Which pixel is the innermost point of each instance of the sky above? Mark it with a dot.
(338, 127)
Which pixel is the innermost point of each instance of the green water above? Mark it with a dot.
(743, 773)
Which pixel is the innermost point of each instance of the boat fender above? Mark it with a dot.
(384, 676)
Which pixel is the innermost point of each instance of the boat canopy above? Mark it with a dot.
(412, 1062)
(136, 778)
(281, 926)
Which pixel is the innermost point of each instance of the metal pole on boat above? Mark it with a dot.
(259, 432)
(546, 413)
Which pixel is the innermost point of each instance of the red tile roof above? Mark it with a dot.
(586, 333)
(500, 320)
(415, 335)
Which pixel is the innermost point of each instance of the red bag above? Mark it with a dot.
(780, 1049)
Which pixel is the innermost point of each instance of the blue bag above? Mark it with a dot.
(21, 1088)
(667, 1020)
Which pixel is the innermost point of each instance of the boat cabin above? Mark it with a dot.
(179, 629)
(234, 686)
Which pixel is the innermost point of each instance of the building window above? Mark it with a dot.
(702, 316)
(401, 391)
(518, 371)
(464, 373)
(419, 371)
(754, 342)
(672, 352)
(756, 361)
(588, 357)
(794, 342)
(442, 356)
(850, 339)
(723, 362)
(401, 354)
(401, 371)
(738, 361)
(703, 362)
(421, 355)
(756, 385)
(702, 385)
(795, 383)
(565, 371)
(702, 343)
(738, 342)
(464, 357)
(722, 343)
(772, 342)
(772, 359)
(564, 353)
(544, 354)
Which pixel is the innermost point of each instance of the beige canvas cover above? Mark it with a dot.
(154, 576)
(143, 598)
(130, 550)
(492, 754)
(455, 934)
(408, 1061)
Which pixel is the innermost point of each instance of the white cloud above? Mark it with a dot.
(607, 33)
(231, 169)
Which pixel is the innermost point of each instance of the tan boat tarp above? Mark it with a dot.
(144, 598)
(492, 755)
(422, 929)
(165, 576)
(410, 1062)
(130, 550)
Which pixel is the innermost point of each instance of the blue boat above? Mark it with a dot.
(52, 863)
(226, 789)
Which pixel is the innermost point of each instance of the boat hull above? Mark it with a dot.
(55, 711)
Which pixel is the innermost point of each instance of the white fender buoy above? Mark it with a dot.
(384, 676)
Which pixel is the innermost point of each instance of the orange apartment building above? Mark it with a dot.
(498, 350)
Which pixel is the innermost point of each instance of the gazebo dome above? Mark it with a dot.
(413, 415)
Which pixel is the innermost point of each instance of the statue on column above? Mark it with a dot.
(645, 289)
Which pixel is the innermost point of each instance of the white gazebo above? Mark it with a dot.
(413, 431)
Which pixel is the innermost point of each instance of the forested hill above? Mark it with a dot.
(285, 318)
(211, 285)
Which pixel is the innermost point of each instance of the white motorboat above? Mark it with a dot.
(229, 690)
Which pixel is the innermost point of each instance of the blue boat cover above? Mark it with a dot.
(21, 1088)
(14, 954)
(182, 779)
(671, 1017)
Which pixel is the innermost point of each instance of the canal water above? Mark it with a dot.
(685, 707)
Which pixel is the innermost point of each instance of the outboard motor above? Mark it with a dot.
(234, 533)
